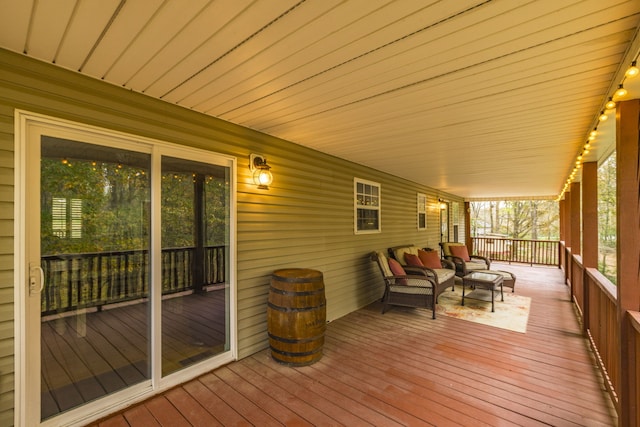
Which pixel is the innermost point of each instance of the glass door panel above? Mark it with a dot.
(94, 251)
(195, 235)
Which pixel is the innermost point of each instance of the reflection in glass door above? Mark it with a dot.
(126, 266)
(194, 212)
(94, 255)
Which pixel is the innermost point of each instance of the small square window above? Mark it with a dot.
(366, 206)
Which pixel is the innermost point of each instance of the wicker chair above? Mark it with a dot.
(443, 277)
(404, 290)
(464, 267)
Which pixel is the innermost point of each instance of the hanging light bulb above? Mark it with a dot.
(632, 71)
(621, 92)
(593, 133)
(610, 105)
(603, 116)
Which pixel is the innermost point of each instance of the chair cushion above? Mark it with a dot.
(460, 252)
(446, 247)
(384, 265)
(398, 253)
(444, 274)
(397, 270)
(475, 265)
(412, 260)
(430, 259)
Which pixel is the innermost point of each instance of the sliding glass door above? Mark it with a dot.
(127, 262)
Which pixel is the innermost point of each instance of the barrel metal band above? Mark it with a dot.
(295, 340)
(295, 309)
(293, 293)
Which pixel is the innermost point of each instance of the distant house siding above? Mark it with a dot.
(304, 220)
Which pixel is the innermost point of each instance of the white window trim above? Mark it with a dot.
(421, 200)
(357, 206)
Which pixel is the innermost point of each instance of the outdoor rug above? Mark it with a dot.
(512, 314)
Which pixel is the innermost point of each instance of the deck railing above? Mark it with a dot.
(541, 252)
(96, 279)
(595, 298)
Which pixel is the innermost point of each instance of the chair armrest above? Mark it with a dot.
(456, 259)
(448, 264)
(485, 259)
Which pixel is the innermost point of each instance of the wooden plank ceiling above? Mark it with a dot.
(477, 98)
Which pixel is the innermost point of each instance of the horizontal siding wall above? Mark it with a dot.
(304, 220)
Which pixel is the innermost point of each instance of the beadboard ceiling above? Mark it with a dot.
(481, 99)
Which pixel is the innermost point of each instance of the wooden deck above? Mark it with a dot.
(403, 368)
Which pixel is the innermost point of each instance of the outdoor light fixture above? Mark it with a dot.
(443, 204)
(262, 176)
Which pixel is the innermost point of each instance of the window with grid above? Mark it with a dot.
(422, 211)
(367, 206)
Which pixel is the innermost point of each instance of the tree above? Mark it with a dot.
(607, 236)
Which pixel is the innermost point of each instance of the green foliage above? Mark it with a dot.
(113, 202)
(516, 219)
(607, 234)
(114, 207)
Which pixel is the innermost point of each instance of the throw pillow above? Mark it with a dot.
(460, 252)
(430, 259)
(412, 260)
(397, 270)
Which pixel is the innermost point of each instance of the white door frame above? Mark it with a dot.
(27, 333)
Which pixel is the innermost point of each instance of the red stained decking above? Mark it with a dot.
(403, 368)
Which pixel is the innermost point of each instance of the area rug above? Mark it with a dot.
(512, 314)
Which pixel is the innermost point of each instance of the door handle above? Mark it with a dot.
(36, 279)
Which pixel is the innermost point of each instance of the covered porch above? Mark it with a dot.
(404, 368)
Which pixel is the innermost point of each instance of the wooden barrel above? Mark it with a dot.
(297, 313)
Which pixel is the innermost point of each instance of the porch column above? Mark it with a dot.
(561, 206)
(467, 226)
(567, 235)
(628, 252)
(567, 217)
(589, 232)
(590, 214)
(575, 219)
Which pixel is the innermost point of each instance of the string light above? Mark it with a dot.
(632, 71)
(621, 92)
(611, 104)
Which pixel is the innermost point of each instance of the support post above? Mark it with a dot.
(589, 233)
(628, 253)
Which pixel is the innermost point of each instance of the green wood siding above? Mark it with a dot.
(304, 220)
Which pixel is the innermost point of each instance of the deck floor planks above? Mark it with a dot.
(403, 368)
(165, 413)
(194, 413)
(279, 394)
(224, 413)
(302, 387)
(465, 373)
(435, 384)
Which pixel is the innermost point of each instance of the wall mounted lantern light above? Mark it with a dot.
(443, 204)
(261, 174)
